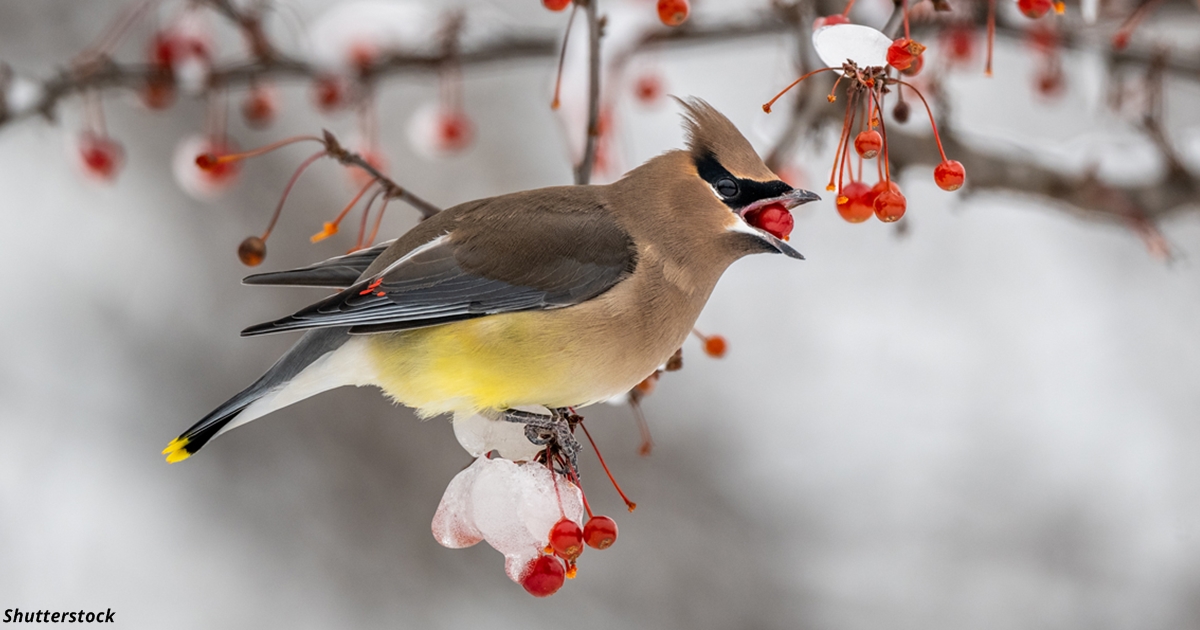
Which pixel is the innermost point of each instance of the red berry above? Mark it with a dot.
(949, 175)
(566, 538)
(1035, 9)
(830, 20)
(330, 93)
(855, 202)
(715, 346)
(454, 131)
(544, 576)
(158, 93)
(959, 42)
(773, 219)
(556, 5)
(101, 157)
(648, 88)
(600, 532)
(901, 111)
(252, 251)
(914, 69)
(260, 107)
(673, 12)
(868, 143)
(890, 206)
(1050, 81)
(903, 52)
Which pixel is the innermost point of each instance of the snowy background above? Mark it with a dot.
(989, 423)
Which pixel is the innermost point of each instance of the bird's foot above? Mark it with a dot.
(556, 431)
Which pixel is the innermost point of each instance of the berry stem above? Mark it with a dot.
(928, 111)
(767, 106)
(378, 221)
(639, 416)
(331, 227)
(1121, 38)
(362, 226)
(287, 189)
(904, 9)
(629, 504)
(887, 162)
(562, 57)
(843, 141)
(991, 35)
(846, 11)
(208, 160)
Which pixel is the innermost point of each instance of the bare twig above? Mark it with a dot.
(391, 189)
(583, 171)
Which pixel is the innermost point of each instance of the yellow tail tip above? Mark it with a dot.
(175, 451)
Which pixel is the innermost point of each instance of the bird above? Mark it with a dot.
(553, 298)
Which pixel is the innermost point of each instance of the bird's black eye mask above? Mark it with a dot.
(736, 192)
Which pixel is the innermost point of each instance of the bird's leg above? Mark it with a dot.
(556, 430)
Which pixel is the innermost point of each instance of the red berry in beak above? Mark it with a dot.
(773, 219)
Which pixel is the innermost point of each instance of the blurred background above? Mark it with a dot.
(988, 420)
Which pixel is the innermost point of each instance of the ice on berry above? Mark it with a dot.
(480, 435)
(863, 45)
(511, 506)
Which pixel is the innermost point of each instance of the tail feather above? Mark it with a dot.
(304, 370)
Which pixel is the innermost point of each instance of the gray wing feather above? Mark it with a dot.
(339, 272)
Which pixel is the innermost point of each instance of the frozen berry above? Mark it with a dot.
(252, 251)
(673, 12)
(566, 538)
(855, 202)
(868, 143)
(544, 576)
(600, 532)
(949, 175)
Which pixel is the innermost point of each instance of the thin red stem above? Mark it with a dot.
(629, 504)
(991, 35)
(842, 141)
(846, 11)
(562, 56)
(767, 106)
(378, 220)
(233, 157)
(928, 111)
(287, 189)
(887, 162)
(362, 226)
(904, 9)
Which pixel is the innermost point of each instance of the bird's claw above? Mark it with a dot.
(555, 430)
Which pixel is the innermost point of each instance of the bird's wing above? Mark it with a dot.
(338, 273)
(541, 250)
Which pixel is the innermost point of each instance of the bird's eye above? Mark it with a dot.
(727, 188)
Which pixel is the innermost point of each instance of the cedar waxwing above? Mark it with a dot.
(559, 297)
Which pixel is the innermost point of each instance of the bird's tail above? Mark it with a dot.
(321, 360)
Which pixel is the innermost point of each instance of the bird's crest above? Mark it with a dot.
(711, 134)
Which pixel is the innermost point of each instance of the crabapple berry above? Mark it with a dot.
(566, 538)
(903, 52)
(158, 93)
(252, 251)
(100, 157)
(648, 88)
(600, 532)
(556, 5)
(454, 131)
(854, 204)
(715, 346)
(914, 69)
(1035, 9)
(773, 219)
(673, 12)
(868, 143)
(543, 577)
(949, 175)
(901, 111)
(260, 107)
(890, 206)
(330, 93)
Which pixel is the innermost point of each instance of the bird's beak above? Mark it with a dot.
(789, 200)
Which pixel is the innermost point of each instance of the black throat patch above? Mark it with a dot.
(748, 190)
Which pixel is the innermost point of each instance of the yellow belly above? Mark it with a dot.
(496, 362)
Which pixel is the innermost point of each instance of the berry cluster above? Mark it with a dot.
(870, 61)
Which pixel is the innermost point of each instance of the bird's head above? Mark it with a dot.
(718, 187)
